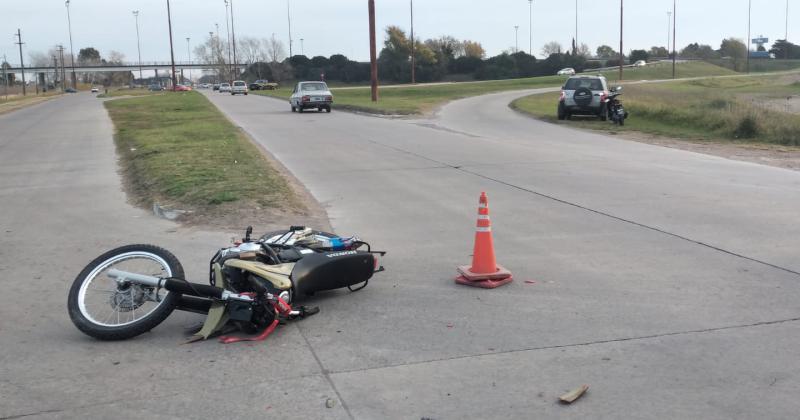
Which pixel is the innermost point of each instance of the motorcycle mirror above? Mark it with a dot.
(247, 233)
(618, 88)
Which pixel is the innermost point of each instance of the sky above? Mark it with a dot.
(341, 26)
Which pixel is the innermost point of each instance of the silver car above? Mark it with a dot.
(311, 95)
(583, 95)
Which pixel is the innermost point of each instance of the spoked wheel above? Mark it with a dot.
(105, 309)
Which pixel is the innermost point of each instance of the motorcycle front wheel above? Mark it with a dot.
(104, 309)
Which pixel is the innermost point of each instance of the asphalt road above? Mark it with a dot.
(664, 279)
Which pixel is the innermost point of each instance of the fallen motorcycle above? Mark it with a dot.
(130, 290)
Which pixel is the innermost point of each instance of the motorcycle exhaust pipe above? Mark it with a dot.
(194, 304)
(178, 286)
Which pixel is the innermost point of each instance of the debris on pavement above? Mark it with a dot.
(530, 281)
(573, 395)
(330, 402)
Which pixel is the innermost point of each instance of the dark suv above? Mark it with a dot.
(583, 95)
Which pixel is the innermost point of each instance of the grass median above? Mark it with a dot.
(423, 98)
(178, 150)
(757, 109)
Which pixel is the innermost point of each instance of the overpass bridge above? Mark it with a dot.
(126, 67)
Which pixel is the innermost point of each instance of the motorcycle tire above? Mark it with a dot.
(100, 330)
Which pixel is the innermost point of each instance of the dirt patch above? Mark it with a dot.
(766, 154)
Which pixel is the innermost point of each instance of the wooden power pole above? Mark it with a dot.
(372, 54)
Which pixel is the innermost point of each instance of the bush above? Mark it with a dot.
(747, 128)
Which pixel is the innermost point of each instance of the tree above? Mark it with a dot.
(584, 51)
(604, 51)
(734, 49)
(658, 52)
(88, 55)
(696, 50)
(275, 50)
(784, 49)
(637, 55)
(214, 52)
(551, 48)
(473, 49)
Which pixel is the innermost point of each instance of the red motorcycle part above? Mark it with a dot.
(261, 337)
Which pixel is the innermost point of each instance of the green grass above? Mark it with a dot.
(707, 109)
(126, 92)
(177, 149)
(660, 71)
(408, 99)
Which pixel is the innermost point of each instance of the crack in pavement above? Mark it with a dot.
(595, 211)
(573, 345)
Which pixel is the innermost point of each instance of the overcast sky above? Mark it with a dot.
(341, 26)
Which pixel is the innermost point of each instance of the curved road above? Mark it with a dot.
(660, 273)
(664, 279)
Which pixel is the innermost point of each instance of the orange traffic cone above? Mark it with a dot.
(484, 271)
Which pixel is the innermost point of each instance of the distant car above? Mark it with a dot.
(640, 63)
(182, 88)
(70, 90)
(224, 87)
(155, 88)
(239, 86)
(583, 95)
(95, 89)
(216, 86)
(569, 71)
(311, 95)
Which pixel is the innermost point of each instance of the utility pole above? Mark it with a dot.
(71, 51)
(138, 42)
(5, 77)
(413, 59)
(228, 30)
(530, 27)
(55, 73)
(289, 18)
(171, 50)
(302, 49)
(621, 54)
(577, 45)
(21, 63)
(516, 38)
(63, 69)
(674, 29)
(749, 9)
(669, 24)
(233, 39)
(372, 54)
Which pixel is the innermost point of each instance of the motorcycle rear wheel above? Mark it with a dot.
(122, 321)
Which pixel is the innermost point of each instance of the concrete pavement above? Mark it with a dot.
(666, 258)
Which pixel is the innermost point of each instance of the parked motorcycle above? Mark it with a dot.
(616, 112)
(130, 290)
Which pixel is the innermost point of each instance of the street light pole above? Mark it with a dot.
(530, 27)
(674, 29)
(786, 37)
(71, 51)
(228, 30)
(576, 26)
(233, 40)
(747, 41)
(413, 59)
(516, 38)
(289, 18)
(189, 52)
(171, 50)
(621, 54)
(138, 42)
(669, 24)
(302, 48)
(372, 53)
(21, 63)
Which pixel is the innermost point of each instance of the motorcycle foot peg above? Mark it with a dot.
(304, 311)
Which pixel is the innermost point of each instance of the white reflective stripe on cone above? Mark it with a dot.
(483, 229)
(482, 206)
(483, 217)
